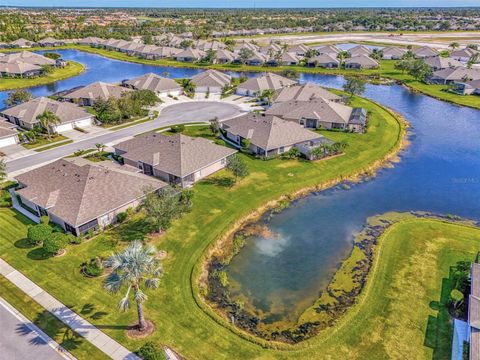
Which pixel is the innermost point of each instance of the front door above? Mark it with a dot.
(311, 123)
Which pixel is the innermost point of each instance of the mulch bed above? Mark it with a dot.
(133, 331)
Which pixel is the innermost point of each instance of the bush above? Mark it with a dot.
(150, 351)
(72, 239)
(39, 233)
(177, 128)
(53, 244)
(94, 267)
(121, 217)
(44, 220)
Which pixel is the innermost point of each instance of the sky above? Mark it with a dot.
(242, 3)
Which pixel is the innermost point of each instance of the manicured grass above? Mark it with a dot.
(386, 70)
(72, 69)
(62, 334)
(176, 307)
(43, 141)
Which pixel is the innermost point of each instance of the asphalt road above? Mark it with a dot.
(19, 342)
(173, 114)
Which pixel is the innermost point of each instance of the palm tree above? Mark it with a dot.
(100, 147)
(454, 45)
(267, 95)
(188, 87)
(47, 119)
(135, 266)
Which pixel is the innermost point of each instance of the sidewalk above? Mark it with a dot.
(97, 338)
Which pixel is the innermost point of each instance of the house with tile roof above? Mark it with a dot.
(162, 86)
(87, 95)
(211, 81)
(269, 81)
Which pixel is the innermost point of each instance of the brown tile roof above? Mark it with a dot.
(28, 111)
(211, 78)
(269, 132)
(269, 81)
(179, 155)
(154, 82)
(78, 194)
(97, 90)
(304, 92)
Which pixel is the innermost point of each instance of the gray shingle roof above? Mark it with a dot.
(425, 51)
(269, 81)
(457, 74)
(269, 132)
(78, 194)
(97, 90)
(154, 83)
(211, 78)
(28, 111)
(27, 57)
(362, 60)
(439, 62)
(17, 68)
(304, 92)
(179, 155)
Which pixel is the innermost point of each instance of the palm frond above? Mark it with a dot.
(140, 296)
(152, 283)
(113, 282)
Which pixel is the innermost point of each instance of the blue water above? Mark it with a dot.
(439, 172)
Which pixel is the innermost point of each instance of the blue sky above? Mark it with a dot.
(242, 3)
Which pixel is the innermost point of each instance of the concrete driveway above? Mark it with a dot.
(195, 111)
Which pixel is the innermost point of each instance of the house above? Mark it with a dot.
(465, 54)
(161, 52)
(256, 59)
(424, 52)
(324, 60)
(304, 92)
(177, 159)
(361, 62)
(89, 41)
(160, 85)
(440, 63)
(289, 58)
(331, 50)
(269, 136)
(451, 75)
(49, 41)
(393, 53)
(467, 87)
(299, 50)
(8, 134)
(474, 312)
(244, 45)
(320, 113)
(20, 69)
(70, 115)
(211, 81)
(27, 57)
(80, 197)
(271, 49)
(359, 50)
(87, 95)
(21, 43)
(269, 81)
(190, 55)
(225, 56)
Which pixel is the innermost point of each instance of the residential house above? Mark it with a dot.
(474, 312)
(244, 44)
(87, 95)
(465, 54)
(393, 53)
(21, 43)
(27, 57)
(451, 75)
(289, 58)
(359, 50)
(361, 62)
(20, 69)
(269, 136)
(440, 63)
(70, 115)
(80, 196)
(162, 86)
(304, 92)
(8, 134)
(177, 159)
(225, 56)
(256, 59)
(331, 50)
(320, 113)
(51, 42)
(467, 87)
(269, 81)
(299, 50)
(211, 81)
(190, 55)
(424, 52)
(324, 60)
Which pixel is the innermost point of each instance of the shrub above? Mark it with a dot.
(150, 351)
(44, 220)
(72, 239)
(53, 244)
(121, 217)
(177, 128)
(94, 267)
(39, 233)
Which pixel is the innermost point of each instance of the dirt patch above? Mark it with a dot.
(133, 331)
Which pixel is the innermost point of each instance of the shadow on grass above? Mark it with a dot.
(23, 244)
(224, 181)
(89, 309)
(38, 254)
(135, 229)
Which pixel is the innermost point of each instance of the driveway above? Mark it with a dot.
(174, 114)
(19, 341)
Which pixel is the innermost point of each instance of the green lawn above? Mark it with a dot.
(72, 69)
(56, 140)
(176, 307)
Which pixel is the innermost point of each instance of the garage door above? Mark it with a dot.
(64, 127)
(8, 141)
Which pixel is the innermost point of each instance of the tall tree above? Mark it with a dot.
(237, 166)
(454, 45)
(48, 119)
(244, 54)
(354, 86)
(420, 70)
(18, 97)
(135, 267)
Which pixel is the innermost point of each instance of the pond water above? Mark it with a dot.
(439, 172)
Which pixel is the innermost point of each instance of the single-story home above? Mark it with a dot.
(361, 62)
(331, 50)
(269, 135)
(8, 134)
(450, 75)
(177, 159)
(256, 59)
(269, 81)
(320, 113)
(80, 197)
(324, 60)
(160, 85)
(50, 41)
(21, 43)
(393, 53)
(25, 115)
(424, 52)
(467, 87)
(304, 92)
(211, 81)
(440, 63)
(87, 95)
(244, 44)
(289, 58)
(190, 55)
(225, 56)
(464, 55)
(299, 50)
(20, 69)
(27, 57)
(359, 50)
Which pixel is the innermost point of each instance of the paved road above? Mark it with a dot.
(18, 341)
(173, 114)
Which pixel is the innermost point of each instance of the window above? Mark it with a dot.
(69, 228)
(281, 150)
(87, 226)
(223, 161)
(302, 122)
